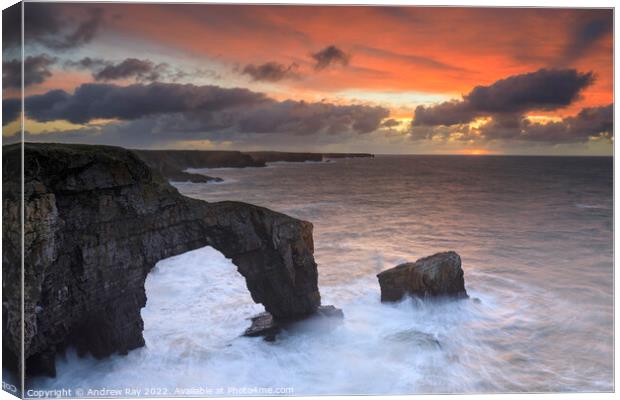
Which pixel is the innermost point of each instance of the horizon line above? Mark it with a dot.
(328, 152)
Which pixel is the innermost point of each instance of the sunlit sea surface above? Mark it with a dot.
(535, 236)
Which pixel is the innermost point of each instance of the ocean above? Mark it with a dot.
(535, 235)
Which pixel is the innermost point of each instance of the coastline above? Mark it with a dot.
(173, 164)
(97, 219)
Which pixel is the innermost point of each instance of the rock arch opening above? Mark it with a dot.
(195, 301)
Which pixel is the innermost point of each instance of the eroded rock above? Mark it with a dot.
(97, 219)
(416, 338)
(439, 275)
(265, 325)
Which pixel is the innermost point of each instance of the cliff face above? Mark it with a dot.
(97, 219)
(275, 156)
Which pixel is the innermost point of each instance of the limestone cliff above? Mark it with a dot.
(97, 219)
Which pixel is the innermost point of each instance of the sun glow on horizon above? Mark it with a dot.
(475, 152)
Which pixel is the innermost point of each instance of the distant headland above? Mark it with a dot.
(173, 163)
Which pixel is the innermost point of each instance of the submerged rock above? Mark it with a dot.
(264, 324)
(416, 337)
(329, 312)
(434, 276)
(97, 219)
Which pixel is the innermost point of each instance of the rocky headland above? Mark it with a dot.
(97, 219)
(279, 156)
(171, 164)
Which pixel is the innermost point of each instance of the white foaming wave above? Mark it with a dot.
(198, 306)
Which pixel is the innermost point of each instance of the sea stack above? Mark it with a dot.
(439, 275)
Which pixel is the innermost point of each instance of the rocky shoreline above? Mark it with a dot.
(171, 164)
(98, 218)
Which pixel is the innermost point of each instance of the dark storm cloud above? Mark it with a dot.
(48, 24)
(92, 101)
(545, 89)
(446, 113)
(170, 108)
(593, 122)
(10, 110)
(36, 70)
(590, 122)
(142, 70)
(198, 108)
(270, 71)
(57, 37)
(590, 28)
(541, 90)
(303, 118)
(329, 56)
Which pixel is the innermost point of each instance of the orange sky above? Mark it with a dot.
(392, 49)
(400, 57)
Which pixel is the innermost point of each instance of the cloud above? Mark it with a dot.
(36, 70)
(390, 123)
(87, 63)
(10, 110)
(447, 113)
(57, 37)
(304, 118)
(591, 122)
(177, 107)
(591, 27)
(503, 104)
(51, 26)
(142, 70)
(96, 100)
(270, 71)
(166, 112)
(545, 89)
(329, 56)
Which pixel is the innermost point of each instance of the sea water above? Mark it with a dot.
(535, 236)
